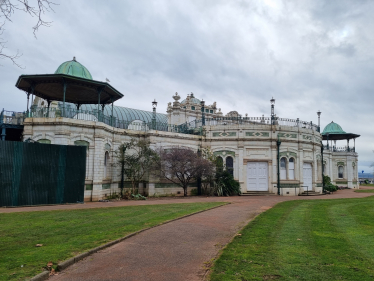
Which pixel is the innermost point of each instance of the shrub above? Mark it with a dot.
(138, 197)
(194, 192)
(226, 185)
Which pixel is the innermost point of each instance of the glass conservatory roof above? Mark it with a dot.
(124, 113)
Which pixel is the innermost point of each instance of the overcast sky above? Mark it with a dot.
(309, 55)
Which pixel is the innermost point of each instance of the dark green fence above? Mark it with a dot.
(34, 173)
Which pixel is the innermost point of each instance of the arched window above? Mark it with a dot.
(230, 165)
(138, 125)
(283, 171)
(291, 169)
(106, 164)
(44, 141)
(219, 164)
(340, 172)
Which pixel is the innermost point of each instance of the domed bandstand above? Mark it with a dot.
(266, 155)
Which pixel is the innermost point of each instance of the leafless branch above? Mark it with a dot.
(3, 55)
(7, 9)
(181, 165)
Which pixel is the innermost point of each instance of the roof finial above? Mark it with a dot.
(74, 59)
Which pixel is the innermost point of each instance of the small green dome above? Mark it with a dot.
(74, 68)
(193, 100)
(333, 128)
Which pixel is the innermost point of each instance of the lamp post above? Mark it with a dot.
(278, 162)
(202, 103)
(154, 105)
(319, 117)
(272, 102)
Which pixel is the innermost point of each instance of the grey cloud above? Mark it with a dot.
(309, 55)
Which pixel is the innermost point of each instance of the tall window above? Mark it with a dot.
(230, 165)
(340, 172)
(291, 169)
(283, 171)
(106, 164)
(219, 163)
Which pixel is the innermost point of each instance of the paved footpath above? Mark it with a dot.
(180, 250)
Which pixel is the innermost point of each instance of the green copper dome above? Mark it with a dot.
(74, 68)
(333, 128)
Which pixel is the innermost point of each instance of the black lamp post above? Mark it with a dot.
(322, 167)
(154, 105)
(272, 102)
(202, 103)
(278, 162)
(319, 117)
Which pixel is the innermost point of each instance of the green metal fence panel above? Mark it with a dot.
(34, 173)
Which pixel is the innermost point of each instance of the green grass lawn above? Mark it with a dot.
(365, 190)
(67, 233)
(369, 184)
(304, 240)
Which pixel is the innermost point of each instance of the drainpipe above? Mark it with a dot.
(278, 173)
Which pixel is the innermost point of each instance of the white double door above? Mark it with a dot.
(257, 176)
(308, 176)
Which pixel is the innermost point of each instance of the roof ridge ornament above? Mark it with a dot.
(176, 97)
(74, 59)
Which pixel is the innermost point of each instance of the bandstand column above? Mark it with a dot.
(63, 115)
(49, 103)
(111, 117)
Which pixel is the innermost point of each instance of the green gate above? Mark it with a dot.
(35, 173)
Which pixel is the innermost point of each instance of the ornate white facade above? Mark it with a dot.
(247, 144)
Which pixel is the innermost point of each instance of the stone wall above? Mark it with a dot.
(245, 143)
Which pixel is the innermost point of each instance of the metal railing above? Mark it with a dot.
(195, 127)
(339, 149)
(227, 121)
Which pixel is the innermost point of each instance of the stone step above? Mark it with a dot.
(257, 193)
(310, 193)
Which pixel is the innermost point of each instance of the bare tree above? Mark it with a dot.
(182, 165)
(136, 158)
(7, 9)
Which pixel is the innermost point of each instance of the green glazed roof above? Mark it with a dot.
(192, 101)
(74, 68)
(333, 128)
(124, 113)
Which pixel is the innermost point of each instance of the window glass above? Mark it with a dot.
(291, 169)
(219, 163)
(340, 172)
(44, 141)
(192, 107)
(283, 172)
(230, 165)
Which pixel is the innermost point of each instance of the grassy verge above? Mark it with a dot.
(67, 233)
(365, 190)
(304, 240)
(369, 184)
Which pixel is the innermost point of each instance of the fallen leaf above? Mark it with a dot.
(38, 245)
(238, 234)
(50, 264)
(52, 272)
(299, 239)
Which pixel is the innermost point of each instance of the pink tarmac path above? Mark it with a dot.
(180, 250)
